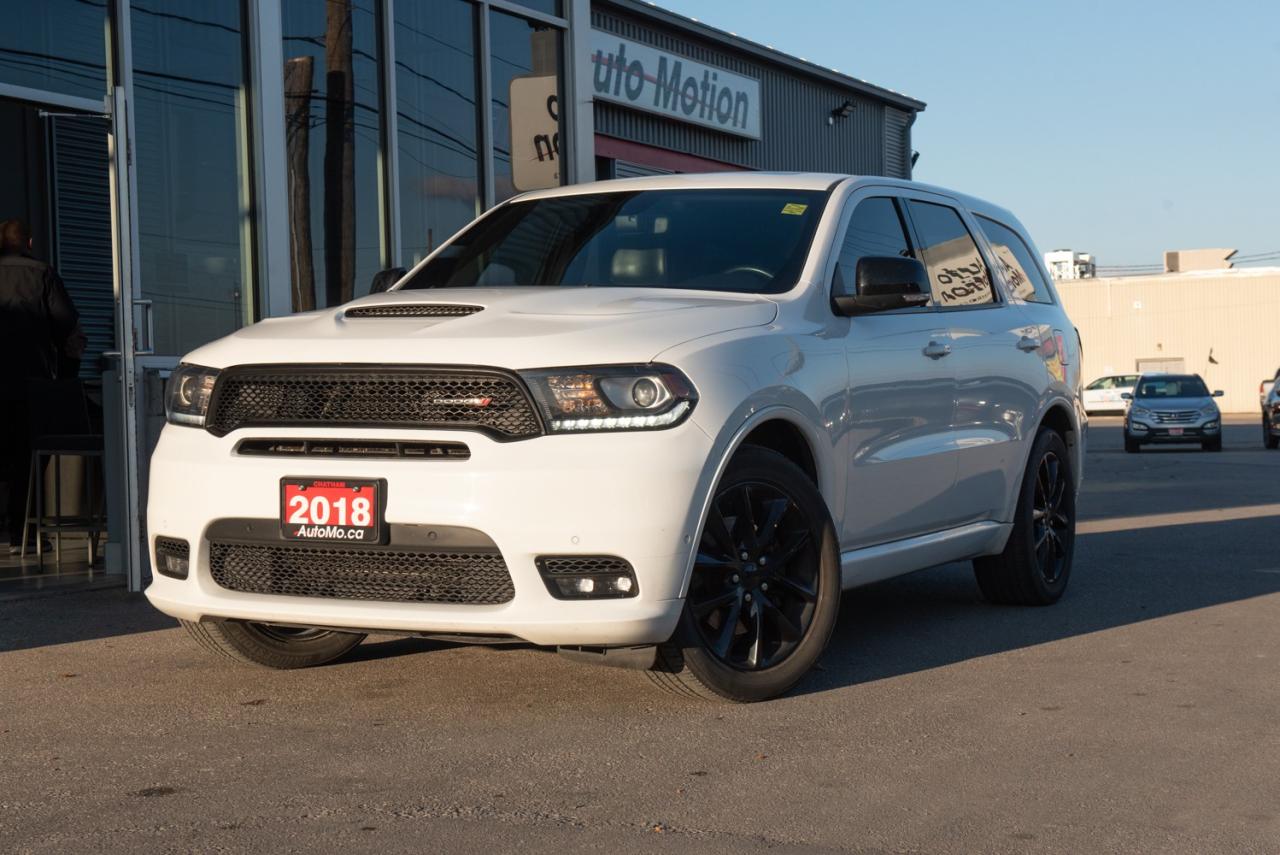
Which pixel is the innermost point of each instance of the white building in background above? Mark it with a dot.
(1068, 264)
(1219, 324)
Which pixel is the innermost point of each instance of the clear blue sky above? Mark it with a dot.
(1121, 128)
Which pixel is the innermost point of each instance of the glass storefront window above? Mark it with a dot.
(525, 77)
(193, 196)
(55, 45)
(437, 121)
(333, 132)
(549, 7)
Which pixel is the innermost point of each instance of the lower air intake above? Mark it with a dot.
(386, 575)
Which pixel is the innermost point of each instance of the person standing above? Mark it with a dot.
(38, 327)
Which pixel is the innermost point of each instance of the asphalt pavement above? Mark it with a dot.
(1137, 715)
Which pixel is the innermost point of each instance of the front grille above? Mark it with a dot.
(1173, 417)
(385, 575)
(433, 310)
(350, 396)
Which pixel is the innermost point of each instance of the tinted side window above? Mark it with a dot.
(1016, 261)
(874, 229)
(957, 273)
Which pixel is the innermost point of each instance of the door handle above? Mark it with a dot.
(149, 328)
(1028, 344)
(936, 350)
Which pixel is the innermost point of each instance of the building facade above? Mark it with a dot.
(192, 167)
(1068, 264)
(1218, 324)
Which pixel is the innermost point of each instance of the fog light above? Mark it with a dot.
(173, 557)
(1211, 426)
(1137, 427)
(587, 577)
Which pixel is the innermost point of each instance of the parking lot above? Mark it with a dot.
(1139, 714)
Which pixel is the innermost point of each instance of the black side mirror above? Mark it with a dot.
(883, 283)
(1126, 396)
(384, 279)
(1218, 393)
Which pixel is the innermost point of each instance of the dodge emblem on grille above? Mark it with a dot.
(462, 402)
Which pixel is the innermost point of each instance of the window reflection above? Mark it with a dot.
(55, 45)
(525, 69)
(438, 122)
(333, 132)
(192, 189)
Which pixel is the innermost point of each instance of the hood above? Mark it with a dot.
(1163, 404)
(513, 328)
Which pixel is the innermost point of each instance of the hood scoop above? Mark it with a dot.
(413, 310)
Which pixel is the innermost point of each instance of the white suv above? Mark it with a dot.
(660, 422)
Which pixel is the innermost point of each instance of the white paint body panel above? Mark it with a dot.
(919, 461)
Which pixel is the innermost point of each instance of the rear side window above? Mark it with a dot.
(957, 273)
(1016, 262)
(875, 229)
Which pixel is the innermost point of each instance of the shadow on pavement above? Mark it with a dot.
(76, 617)
(938, 617)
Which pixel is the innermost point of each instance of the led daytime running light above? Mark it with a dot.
(623, 422)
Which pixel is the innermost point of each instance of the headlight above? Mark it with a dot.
(612, 397)
(1209, 411)
(1135, 410)
(186, 399)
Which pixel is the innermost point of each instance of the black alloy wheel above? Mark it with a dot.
(765, 588)
(1050, 524)
(1035, 564)
(755, 584)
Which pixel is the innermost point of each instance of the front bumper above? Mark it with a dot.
(1144, 432)
(633, 495)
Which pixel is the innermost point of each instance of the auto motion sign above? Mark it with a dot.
(677, 87)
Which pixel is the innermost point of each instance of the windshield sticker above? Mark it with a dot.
(794, 208)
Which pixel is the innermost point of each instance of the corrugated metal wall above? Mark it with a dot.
(796, 135)
(1188, 316)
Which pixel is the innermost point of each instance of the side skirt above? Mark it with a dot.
(886, 560)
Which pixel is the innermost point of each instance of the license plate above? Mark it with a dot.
(1175, 431)
(336, 509)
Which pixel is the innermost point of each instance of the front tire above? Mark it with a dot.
(1131, 445)
(1212, 444)
(1269, 439)
(765, 589)
(1036, 562)
(271, 646)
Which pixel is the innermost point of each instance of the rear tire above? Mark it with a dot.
(765, 590)
(1036, 562)
(271, 646)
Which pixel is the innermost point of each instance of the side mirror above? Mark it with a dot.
(1218, 393)
(1126, 396)
(883, 283)
(384, 279)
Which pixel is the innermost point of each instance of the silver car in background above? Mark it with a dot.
(1172, 408)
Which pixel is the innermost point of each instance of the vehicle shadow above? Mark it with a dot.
(81, 616)
(937, 617)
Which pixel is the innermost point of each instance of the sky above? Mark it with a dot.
(1120, 128)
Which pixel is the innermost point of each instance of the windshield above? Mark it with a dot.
(749, 241)
(1172, 387)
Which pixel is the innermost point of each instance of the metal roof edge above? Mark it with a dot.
(762, 52)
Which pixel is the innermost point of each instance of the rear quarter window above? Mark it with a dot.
(1016, 262)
